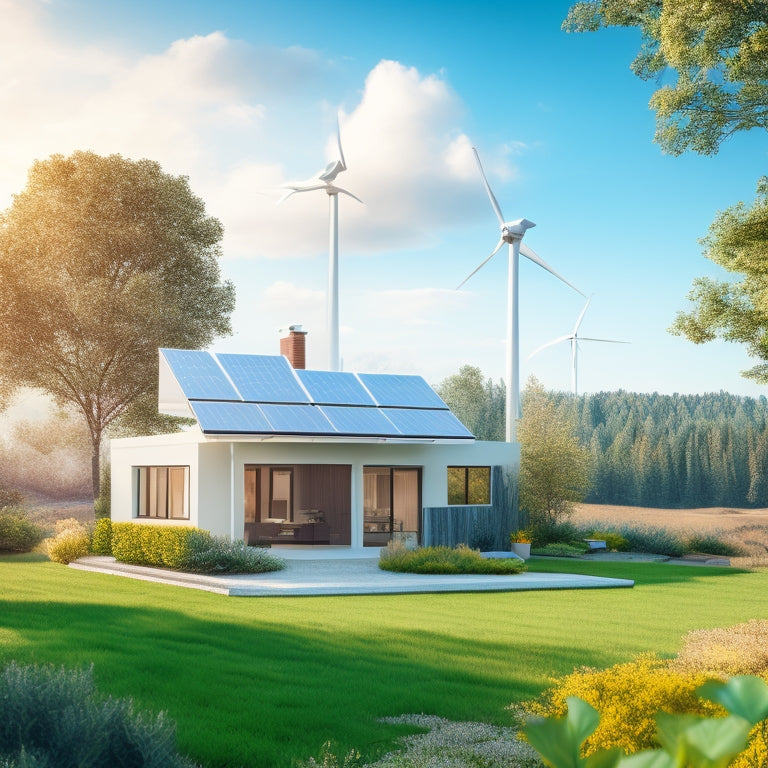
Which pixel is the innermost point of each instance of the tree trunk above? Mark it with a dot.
(95, 465)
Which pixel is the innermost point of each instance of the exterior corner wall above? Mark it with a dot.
(445, 525)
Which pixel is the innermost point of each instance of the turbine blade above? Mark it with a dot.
(335, 190)
(338, 144)
(550, 344)
(495, 251)
(529, 253)
(581, 316)
(295, 188)
(608, 341)
(494, 201)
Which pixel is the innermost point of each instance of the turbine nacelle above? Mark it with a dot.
(514, 230)
(332, 170)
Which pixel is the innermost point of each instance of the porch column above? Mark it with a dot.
(356, 507)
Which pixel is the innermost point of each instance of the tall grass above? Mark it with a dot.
(266, 681)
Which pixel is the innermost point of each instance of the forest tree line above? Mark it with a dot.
(647, 450)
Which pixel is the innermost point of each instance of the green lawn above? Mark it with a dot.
(265, 681)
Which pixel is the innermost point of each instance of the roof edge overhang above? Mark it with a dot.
(252, 438)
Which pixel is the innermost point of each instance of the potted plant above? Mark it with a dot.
(520, 541)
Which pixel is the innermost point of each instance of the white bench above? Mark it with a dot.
(596, 543)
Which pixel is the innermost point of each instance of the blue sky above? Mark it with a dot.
(242, 97)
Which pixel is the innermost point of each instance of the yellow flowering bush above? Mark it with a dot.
(71, 541)
(627, 696)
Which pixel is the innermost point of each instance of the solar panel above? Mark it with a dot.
(401, 391)
(413, 422)
(230, 418)
(362, 422)
(263, 378)
(297, 420)
(334, 388)
(199, 376)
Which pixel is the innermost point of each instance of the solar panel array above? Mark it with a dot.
(264, 395)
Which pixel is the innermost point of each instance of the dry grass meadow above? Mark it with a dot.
(747, 528)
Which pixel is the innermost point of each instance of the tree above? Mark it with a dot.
(554, 466)
(738, 311)
(719, 50)
(476, 402)
(102, 261)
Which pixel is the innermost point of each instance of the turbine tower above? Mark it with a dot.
(325, 180)
(512, 233)
(574, 338)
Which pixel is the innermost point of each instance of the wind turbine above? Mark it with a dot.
(574, 338)
(324, 180)
(512, 233)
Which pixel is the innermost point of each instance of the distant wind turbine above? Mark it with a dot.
(574, 338)
(512, 233)
(325, 180)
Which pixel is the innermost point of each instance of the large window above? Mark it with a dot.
(162, 492)
(469, 485)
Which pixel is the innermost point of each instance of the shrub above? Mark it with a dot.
(653, 540)
(71, 541)
(17, 532)
(445, 560)
(215, 554)
(552, 533)
(627, 696)
(711, 544)
(53, 717)
(101, 543)
(10, 497)
(183, 548)
(613, 541)
(561, 549)
(738, 650)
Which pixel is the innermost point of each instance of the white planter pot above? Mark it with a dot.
(521, 549)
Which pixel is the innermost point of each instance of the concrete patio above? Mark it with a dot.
(344, 573)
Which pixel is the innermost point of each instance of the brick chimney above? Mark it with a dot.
(293, 346)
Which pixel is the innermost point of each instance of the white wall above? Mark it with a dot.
(209, 461)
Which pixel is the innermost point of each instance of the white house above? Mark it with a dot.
(293, 457)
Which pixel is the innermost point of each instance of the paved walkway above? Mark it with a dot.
(340, 575)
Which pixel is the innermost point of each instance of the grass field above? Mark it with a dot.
(265, 681)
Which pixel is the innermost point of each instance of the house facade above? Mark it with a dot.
(289, 457)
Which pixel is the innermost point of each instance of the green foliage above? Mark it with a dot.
(72, 541)
(101, 541)
(17, 532)
(152, 545)
(710, 544)
(477, 403)
(553, 532)
(615, 542)
(216, 554)
(554, 466)
(445, 560)
(106, 259)
(718, 50)
(183, 548)
(561, 549)
(686, 740)
(53, 718)
(734, 311)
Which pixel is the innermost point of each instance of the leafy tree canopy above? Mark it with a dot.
(102, 261)
(554, 466)
(737, 241)
(477, 402)
(719, 51)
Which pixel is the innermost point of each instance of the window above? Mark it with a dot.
(469, 485)
(162, 492)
